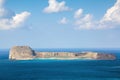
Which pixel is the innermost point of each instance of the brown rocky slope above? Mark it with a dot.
(26, 53)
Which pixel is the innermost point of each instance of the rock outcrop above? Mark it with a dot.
(26, 53)
(21, 53)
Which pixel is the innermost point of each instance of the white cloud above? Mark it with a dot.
(85, 22)
(111, 19)
(63, 20)
(15, 22)
(55, 6)
(10, 20)
(78, 13)
(20, 18)
(112, 16)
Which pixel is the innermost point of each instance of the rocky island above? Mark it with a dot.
(26, 53)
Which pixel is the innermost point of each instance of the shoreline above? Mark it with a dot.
(64, 59)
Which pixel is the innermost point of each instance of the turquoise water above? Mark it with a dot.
(59, 69)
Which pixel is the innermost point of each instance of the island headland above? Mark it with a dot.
(26, 53)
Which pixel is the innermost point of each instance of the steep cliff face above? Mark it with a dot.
(25, 53)
(21, 53)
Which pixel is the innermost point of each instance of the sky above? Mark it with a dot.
(60, 23)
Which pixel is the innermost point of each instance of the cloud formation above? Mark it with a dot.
(63, 20)
(78, 13)
(112, 16)
(111, 19)
(15, 22)
(55, 6)
(10, 20)
(83, 21)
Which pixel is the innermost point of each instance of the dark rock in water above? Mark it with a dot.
(26, 53)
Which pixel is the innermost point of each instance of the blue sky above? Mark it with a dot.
(60, 23)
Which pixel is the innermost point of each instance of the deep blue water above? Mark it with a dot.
(60, 69)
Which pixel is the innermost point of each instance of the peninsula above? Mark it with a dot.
(26, 53)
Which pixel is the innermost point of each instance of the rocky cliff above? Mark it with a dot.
(21, 53)
(26, 53)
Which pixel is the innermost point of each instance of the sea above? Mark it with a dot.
(60, 69)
